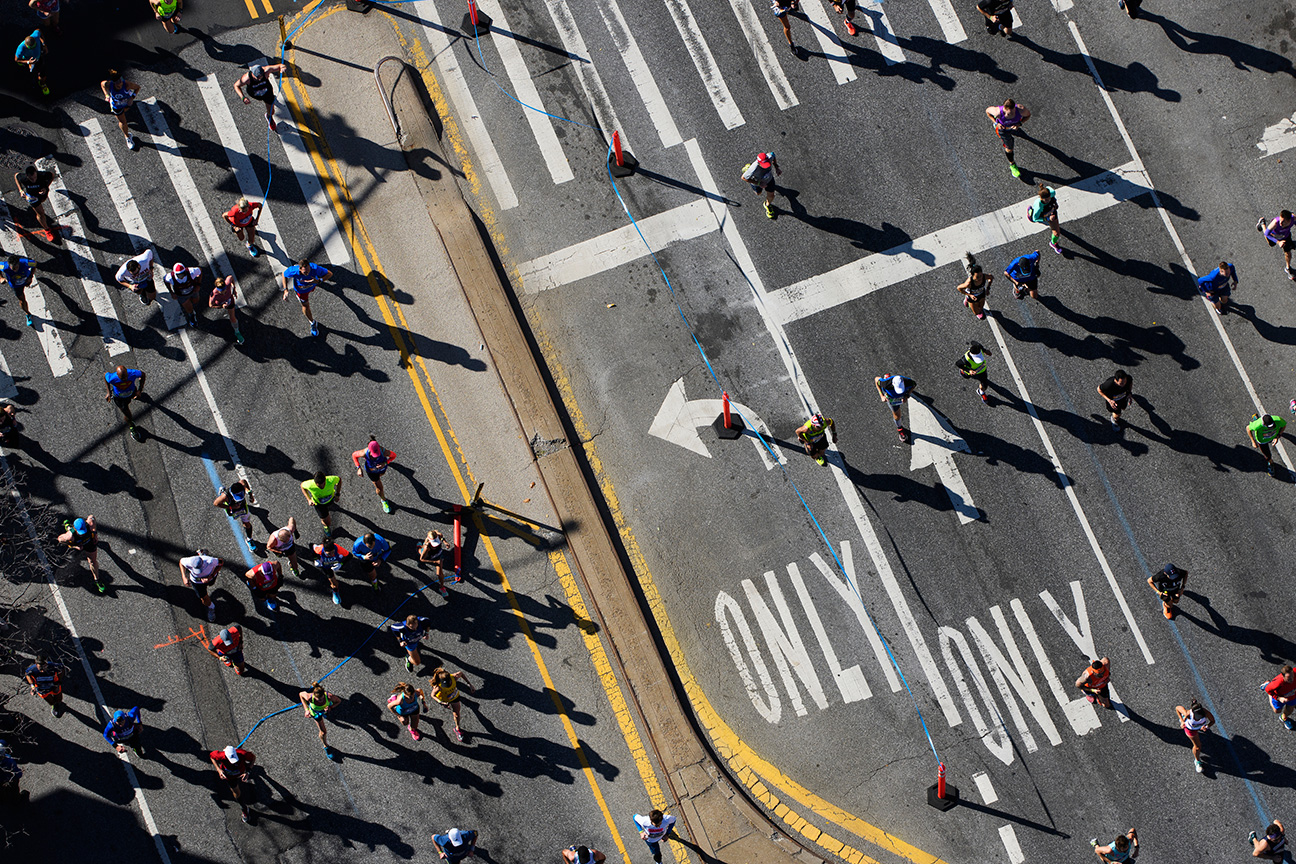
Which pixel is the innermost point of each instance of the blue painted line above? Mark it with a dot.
(235, 528)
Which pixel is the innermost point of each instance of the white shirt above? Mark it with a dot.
(655, 832)
(201, 568)
(145, 273)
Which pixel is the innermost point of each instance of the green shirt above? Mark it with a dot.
(322, 494)
(1263, 434)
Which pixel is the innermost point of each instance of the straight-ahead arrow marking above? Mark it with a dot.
(934, 443)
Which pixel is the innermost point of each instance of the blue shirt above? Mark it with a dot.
(456, 853)
(1024, 267)
(114, 732)
(408, 635)
(18, 275)
(305, 282)
(1215, 280)
(360, 549)
(123, 387)
(25, 53)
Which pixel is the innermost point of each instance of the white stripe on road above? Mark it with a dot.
(620, 246)
(923, 254)
(949, 21)
(764, 52)
(83, 261)
(452, 79)
(885, 37)
(640, 75)
(8, 389)
(985, 788)
(1009, 838)
(1062, 5)
(588, 76)
(50, 340)
(1278, 137)
(705, 63)
(831, 46)
(524, 88)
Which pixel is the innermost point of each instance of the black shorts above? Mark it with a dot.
(1026, 286)
(1121, 404)
(19, 289)
(847, 5)
(375, 476)
(38, 202)
(200, 588)
(122, 403)
(323, 510)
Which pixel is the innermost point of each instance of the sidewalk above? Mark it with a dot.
(423, 232)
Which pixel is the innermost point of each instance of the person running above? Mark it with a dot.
(222, 297)
(976, 288)
(323, 492)
(1024, 272)
(10, 775)
(1095, 682)
(136, 275)
(256, 84)
(1045, 212)
(435, 550)
(814, 436)
(1279, 233)
(34, 186)
(47, 10)
(973, 365)
(846, 8)
(376, 462)
(8, 424)
(18, 272)
(373, 550)
(895, 390)
(168, 12)
(199, 572)
(123, 731)
(31, 53)
(1123, 848)
(283, 543)
(317, 703)
(1272, 846)
(243, 218)
(1116, 391)
(1008, 120)
(781, 10)
(184, 284)
(445, 690)
(233, 766)
(263, 581)
(410, 633)
(301, 279)
(227, 647)
(1195, 720)
(82, 538)
(1217, 286)
(1282, 695)
(761, 173)
(1263, 431)
(455, 845)
(124, 386)
(1169, 583)
(998, 15)
(120, 94)
(653, 828)
(405, 701)
(235, 499)
(583, 855)
(46, 680)
(331, 558)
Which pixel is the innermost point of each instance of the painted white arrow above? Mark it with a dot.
(679, 419)
(934, 443)
(1278, 137)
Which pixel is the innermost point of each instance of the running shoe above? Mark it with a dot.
(139, 751)
(253, 250)
(337, 601)
(270, 121)
(821, 460)
(1291, 727)
(49, 235)
(1016, 172)
(211, 614)
(414, 733)
(409, 665)
(769, 210)
(1055, 247)
(1116, 424)
(131, 143)
(28, 317)
(850, 28)
(980, 316)
(1168, 611)
(1197, 764)
(135, 433)
(458, 733)
(144, 300)
(985, 397)
(44, 90)
(251, 546)
(314, 328)
(101, 586)
(444, 592)
(1252, 836)
(245, 817)
(387, 508)
(238, 336)
(1260, 224)
(1270, 469)
(904, 434)
(375, 585)
(272, 606)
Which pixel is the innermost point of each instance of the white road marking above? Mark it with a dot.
(8, 389)
(525, 90)
(829, 44)
(83, 260)
(949, 21)
(887, 46)
(1009, 838)
(851, 599)
(947, 245)
(726, 608)
(50, 340)
(1278, 137)
(456, 86)
(1011, 675)
(614, 248)
(1079, 711)
(850, 682)
(934, 444)
(679, 418)
(705, 63)
(985, 788)
(640, 75)
(785, 644)
(1081, 634)
(764, 53)
(1061, 5)
(588, 76)
(997, 739)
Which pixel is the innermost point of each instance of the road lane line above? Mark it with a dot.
(83, 261)
(833, 50)
(614, 248)
(949, 21)
(883, 34)
(1278, 137)
(588, 76)
(452, 79)
(1009, 838)
(985, 788)
(640, 75)
(542, 126)
(698, 49)
(50, 341)
(1007, 225)
(764, 53)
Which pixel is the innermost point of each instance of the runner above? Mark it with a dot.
(998, 15)
(405, 701)
(323, 491)
(1169, 583)
(234, 500)
(1008, 119)
(82, 538)
(434, 550)
(184, 283)
(10, 775)
(136, 274)
(814, 436)
(445, 690)
(243, 218)
(781, 8)
(847, 9)
(233, 766)
(1217, 286)
(976, 288)
(124, 386)
(1195, 720)
(1273, 846)
(583, 855)
(222, 297)
(263, 581)
(168, 12)
(895, 392)
(227, 647)
(120, 94)
(761, 173)
(46, 680)
(331, 558)
(1045, 212)
(31, 53)
(1263, 431)
(47, 10)
(410, 633)
(1095, 680)
(653, 828)
(123, 731)
(1024, 272)
(373, 550)
(258, 84)
(1116, 392)
(376, 462)
(301, 279)
(8, 424)
(1123, 848)
(1279, 233)
(34, 186)
(317, 703)
(283, 543)
(198, 572)
(973, 365)
(455, 845)
(1282, 695)
(18, 272)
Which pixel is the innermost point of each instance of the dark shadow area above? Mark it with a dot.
(1279, 334)
(861, 235)
(681, 185)
(965, 804)
(1136, 78)
(1244, 57)
(1223, 457)
(1270, 647)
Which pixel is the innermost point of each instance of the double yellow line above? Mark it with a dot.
(252, 10)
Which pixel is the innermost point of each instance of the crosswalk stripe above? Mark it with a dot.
(705, 63)
(541, 126)
(83, 260)
(8, 389)
(488, 158)
(882, 33)
(949, 22)
(129, 213)
(640, 75)
(764, 52)
(588, 76)
(831, 46)
(50, 340)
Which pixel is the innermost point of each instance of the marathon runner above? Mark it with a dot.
(317, 703)
(331, 558)
(124, 386)
(895, 390)
(199, 572)
(222, 297)
(8, 424)
(814, 436)
(123, 731)
(1264, 431)
(283, 543)
(31, 53)
(233, 766)
(434, 550)
(184, 283)
(301, 279)
(136, 274)
(1024, 272)
(1044, 211)
(243, 218)
(976, 288)
(234, 500)
(1282, 695)
(34, 186)
(376, 462)
(1008, 120)
(973, 365)
(445, 690)
(168, 12)
(46, 680)
(263, 581)
(82, 538)
(1195, 720)
(410, 633)
(405, 701)
(323, 491)
(47, 10)
(455, 845)
(258, 86)
(1217, 286)
(18, 272)
(1095, 680)
(1279, 233)
(120, 94)
(227, 647)
(1169, 583)
(373, 550)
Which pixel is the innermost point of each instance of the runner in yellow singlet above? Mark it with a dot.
(445, 690)
(168, 12)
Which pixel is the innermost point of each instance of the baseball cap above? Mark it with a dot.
(1168, 569)
(79, 526)
(257, 71)
(178, 269)
(898, 383)
(763, 159)
(375, 450)
(119, 715)
(231, 754)
(455, 835)
(225, 635)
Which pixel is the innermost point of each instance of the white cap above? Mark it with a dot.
(455, 835)
(898, 383)
(231, 754)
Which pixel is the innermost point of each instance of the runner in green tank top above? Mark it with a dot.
(1263, 431)
(168, 12)
(323, 491)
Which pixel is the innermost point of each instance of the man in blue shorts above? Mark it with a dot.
(1217, 286)
(301, 279)
(18, 272)
(455, 845)
(124, 386)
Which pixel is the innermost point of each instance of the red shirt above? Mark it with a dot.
(1279, 688)
(243, 218)
(220, 646)
(246, 761)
